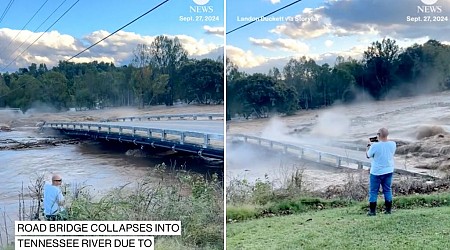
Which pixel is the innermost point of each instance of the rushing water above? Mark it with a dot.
(350, 123)
(99, 167)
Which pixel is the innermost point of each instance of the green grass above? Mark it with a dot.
(345, 228)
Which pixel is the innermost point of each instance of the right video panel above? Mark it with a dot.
(337, 124)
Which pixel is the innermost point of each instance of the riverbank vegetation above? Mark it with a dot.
(290, 215)
(385, 71)
(262, 198)
(194, 199)
(160, 73)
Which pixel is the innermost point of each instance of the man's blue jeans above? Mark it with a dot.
(385, 181)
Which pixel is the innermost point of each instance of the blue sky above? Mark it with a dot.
(90, 20)
(334, 28)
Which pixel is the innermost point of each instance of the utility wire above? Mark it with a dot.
(43, 33)
(152, 9)
(6, 10)
(26, 40)
(242, 26)
(4, 48)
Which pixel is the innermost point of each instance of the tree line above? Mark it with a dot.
(159, 73)
(385, 71)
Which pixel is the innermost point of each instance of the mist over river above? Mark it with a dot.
(99, 167)
(420, 126)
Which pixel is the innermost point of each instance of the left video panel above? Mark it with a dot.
(112, 124)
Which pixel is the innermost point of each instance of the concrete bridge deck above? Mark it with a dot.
(200, 137)
(350, 157)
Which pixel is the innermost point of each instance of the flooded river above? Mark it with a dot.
(406, 119)
(97, 166)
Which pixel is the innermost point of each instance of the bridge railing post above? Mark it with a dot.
(206, 140)
(360, 166)
(149, 133)
(182, 138)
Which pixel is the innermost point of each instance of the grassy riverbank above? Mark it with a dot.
(346, 228)
(260, 216)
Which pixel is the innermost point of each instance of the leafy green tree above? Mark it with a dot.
(286, 100)
(53, 89)
(302, 74)
(381, 63)
(203, 80)
(4, 91)
(167, 57)
(234, 102)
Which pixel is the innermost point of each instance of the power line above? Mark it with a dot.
(6, 10)
(43, 33)
(242, 26)
(152, 9)
(26, 40)
(4, 48)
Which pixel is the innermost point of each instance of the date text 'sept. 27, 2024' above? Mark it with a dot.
(199, 18)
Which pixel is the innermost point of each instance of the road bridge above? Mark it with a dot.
(200, 137)
(345, 155)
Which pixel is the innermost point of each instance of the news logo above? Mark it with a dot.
(201, 2)
(429, 7)
(201, 7)
(427, 2)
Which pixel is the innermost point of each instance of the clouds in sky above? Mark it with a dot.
(214, 30)
(54, 46)
(280, 43)
(346, 18)
(346, 28)
(244, 58)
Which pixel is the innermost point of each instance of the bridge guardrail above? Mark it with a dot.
(17, 110)
(303, 152)
(210, 116)
(206, 140)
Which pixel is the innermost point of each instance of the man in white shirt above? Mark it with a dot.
(381, 170)
(53, 199)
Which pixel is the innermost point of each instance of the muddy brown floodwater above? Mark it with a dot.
(420, 126)
(87, 164)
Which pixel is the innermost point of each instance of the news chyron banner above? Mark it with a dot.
(90, 235)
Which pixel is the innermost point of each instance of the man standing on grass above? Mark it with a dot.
(381, 170)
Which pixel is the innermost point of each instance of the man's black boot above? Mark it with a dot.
(372, 209)
(388, 205)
